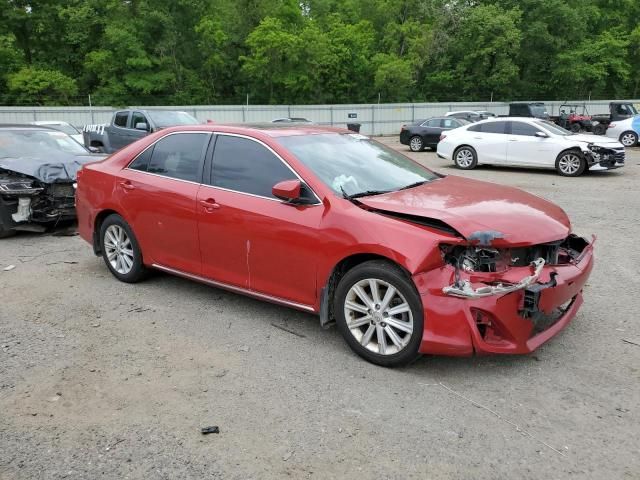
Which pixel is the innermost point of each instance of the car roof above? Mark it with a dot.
(269, 129)
(49, 122)
(24, 126)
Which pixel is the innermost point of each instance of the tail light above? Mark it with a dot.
(611, 125)
(442, 136)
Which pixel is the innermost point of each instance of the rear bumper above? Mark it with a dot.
(507, 324)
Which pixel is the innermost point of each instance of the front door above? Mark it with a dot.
(248, 237)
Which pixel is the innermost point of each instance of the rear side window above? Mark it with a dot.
(475, 128)
(450, 123)
(178, 156)
(434, 122)
(141, 162)
(521, 128)
(494, 127)
(242, 165)
(121, 119)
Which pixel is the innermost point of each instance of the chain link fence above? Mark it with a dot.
(375, 119)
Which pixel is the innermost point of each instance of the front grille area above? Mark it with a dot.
(61, 190)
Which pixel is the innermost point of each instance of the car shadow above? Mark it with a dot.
(536, 171)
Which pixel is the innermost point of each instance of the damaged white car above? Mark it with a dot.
(38, 168)
(531, 143)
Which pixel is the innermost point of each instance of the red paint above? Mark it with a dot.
(288, 251)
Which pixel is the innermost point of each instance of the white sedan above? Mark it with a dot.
(532, 143)
(626, 131)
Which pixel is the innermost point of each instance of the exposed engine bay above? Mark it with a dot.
(27, 201)
(604, 157)
(482, 259)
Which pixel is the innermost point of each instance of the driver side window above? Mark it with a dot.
(137, 118)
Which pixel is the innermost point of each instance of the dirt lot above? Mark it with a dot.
(99, 379)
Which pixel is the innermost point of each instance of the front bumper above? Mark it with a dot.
(605, 158)
(513, 323)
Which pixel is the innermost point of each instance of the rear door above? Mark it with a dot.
(158, 191)
(490, 141)
(250, 238)
(432, 130)
(119, 131)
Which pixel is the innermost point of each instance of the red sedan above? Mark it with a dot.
(405, 261)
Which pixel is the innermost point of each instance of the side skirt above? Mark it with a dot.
(233, 288)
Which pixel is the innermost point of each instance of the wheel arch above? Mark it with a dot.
(97, 224)
(344, 265)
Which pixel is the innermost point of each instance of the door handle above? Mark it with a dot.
(209, 204)
(477, 138)
(127, 185)
(513, 140)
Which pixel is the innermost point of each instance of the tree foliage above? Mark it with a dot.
(128, 52)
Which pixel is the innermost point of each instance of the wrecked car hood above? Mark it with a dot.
(480, 211)
(57, 168)
(598, 139)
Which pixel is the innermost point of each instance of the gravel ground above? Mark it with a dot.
(99, 379)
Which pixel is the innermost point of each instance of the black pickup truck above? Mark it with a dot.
(127, 126)
(528, 109)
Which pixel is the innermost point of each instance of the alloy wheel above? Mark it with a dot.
(569, 164)
(464, 158)
(378, 316)
(415, 144)
(118, 249)
(628, 139)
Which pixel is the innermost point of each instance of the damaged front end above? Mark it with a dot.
(29, 204)
(600, 157)
(513, 299)
(469, 261)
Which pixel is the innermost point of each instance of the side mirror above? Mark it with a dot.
(142, 126)
(287, 190)
(541, 135)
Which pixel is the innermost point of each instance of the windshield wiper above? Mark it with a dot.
(413, 185)
(366, 193)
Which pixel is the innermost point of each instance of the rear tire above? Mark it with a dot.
(416, 144)
(465, 158)
(629, 138)
(599, 129)
(379, 313)
(571, 164)
(120, 250)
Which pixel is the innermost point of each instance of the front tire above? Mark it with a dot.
(120, 250)
(576, 127)
(465, 158)
(599, 129)
(571, 164)
(628, 139)
(416, 144)
(379, 313)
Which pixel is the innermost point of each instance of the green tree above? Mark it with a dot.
(41, 87)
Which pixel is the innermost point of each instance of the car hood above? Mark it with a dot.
(599, 139)
(59, 167)
(482, 212)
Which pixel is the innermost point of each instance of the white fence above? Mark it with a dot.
(375, 119)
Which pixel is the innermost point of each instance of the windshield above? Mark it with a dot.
(37, 143)
(171, 119)
(553, 128)
(62, 127)
(353, 164)
(539, 110)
